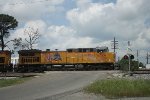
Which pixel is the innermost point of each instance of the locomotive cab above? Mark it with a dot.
(29, 61)
(5, 61)
(102, 49)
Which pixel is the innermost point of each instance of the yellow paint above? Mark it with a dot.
(7, 56)
(76, 57)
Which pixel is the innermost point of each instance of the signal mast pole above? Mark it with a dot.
(129, 56)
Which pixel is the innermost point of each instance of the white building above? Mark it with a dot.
(14, 60)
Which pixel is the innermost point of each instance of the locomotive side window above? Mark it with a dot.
(80, 49)
(2, 59)
(25, 60)
(91, 49)
(38, 59)
(22, 60)
(30, 59)
(84, 50)
(69, 50)
(27, 54)
(72, 50)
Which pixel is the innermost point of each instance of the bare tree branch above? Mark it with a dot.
(33, 36)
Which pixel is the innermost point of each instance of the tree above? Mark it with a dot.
(31, 39)
(33, 36)
(124, 64)
(18, 43)
(7, 23)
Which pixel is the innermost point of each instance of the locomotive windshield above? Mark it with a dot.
(27, 54)
(102, 49)
(2, 59)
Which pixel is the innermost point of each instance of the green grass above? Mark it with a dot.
(9, 82)
(120, 88)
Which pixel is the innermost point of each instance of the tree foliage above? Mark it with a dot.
(124, 64)
(19, 44)
(7, 23)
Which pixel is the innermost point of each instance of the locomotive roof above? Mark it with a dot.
(4, 51)
(101, 48)
(33, 50)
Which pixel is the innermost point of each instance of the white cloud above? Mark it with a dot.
(90, 24)
(143, 40)
(83, 4)
(124, 20)
(30, 10)
(37, 24)
(61, 37)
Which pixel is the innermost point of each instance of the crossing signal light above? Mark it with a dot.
(125, 57)
(131, 56)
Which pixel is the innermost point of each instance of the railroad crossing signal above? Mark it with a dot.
(127, 56)
(131, 56)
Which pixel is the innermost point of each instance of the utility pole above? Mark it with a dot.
(115, 45)
(138, 58)
(147, 57)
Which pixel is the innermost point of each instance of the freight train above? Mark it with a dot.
(72, 59)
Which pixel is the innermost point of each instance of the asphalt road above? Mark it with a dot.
(51, 85)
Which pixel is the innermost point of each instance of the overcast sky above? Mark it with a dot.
(83, 23)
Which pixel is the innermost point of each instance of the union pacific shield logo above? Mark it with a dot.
(57, 56)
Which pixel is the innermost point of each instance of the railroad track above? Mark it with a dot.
(142, 71)
(14, 74)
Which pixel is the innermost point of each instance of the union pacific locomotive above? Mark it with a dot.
(5, 61)
(70, 59)
(73, 58)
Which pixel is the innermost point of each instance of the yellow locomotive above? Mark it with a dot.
(74, 58)
(5, 61)
(79, 58)
(29, 61)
